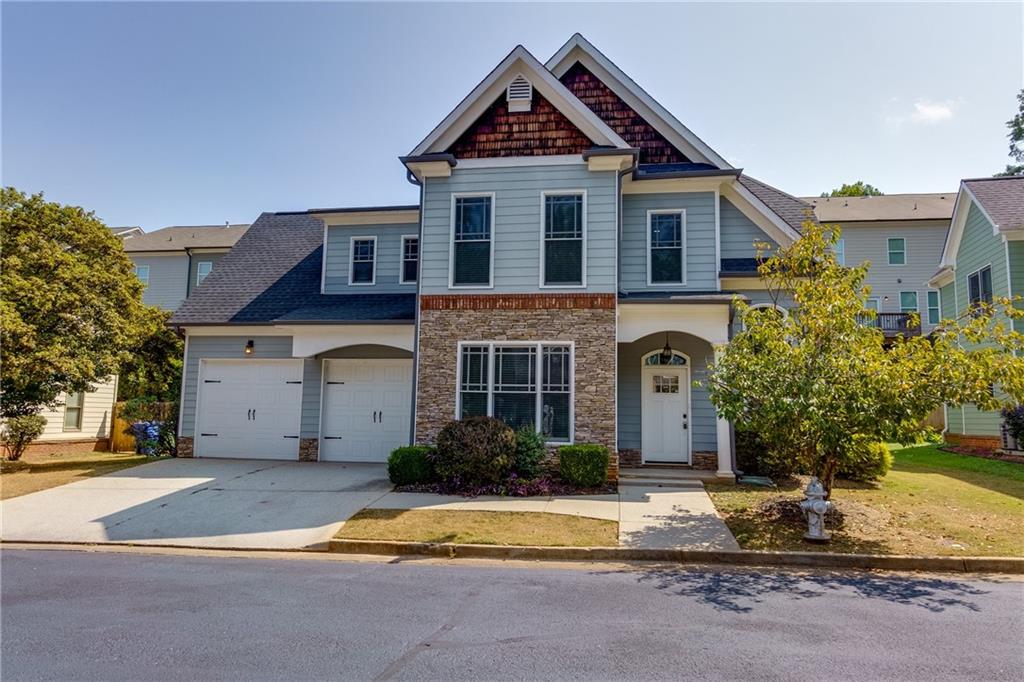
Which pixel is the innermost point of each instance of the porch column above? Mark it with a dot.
(724, 432)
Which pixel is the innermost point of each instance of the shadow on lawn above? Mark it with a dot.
(742, 591)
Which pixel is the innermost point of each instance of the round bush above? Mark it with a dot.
(530, 453)
(411, 464)
(474, 452)
(866, 462)
(584, 466)
(18, 433)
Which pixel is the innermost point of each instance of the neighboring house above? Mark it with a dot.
(570, 266)
(173, 261)
(901, 235)
(982, 259)
(81, 422)
(126, 232)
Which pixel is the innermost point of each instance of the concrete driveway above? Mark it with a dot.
(253, 504)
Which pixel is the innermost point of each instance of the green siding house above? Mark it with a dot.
(982, 259)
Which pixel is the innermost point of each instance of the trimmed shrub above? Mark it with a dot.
(1013, 417)
(754, 458)
(583, 465)
(411, 464)
(474, 452)
(18, 432)
(530, 453)
(868, 461)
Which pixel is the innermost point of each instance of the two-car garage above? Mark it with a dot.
(253, 408)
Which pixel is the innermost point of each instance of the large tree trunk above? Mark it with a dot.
(827, 474)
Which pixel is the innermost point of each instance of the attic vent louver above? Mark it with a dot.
(519, 94)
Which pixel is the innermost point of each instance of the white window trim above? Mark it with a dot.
(917, 301)
(756, 306)
(842, 250)
(401, 260)
(888, 252)
(668, 211)
(144, 280)
(351, 260)
(928, 307)
(451, 241)
(199, 264)
(543, 225)
(81, 414)
(967, 282)
(878, 303)
(540, 380)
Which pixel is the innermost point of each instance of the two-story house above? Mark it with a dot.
(171, 262)
(982, 260)
(570, 265)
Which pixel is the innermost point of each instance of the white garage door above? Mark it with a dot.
(249, 409)
(367, 406)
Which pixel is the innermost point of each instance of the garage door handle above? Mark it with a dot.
(380, 419)
(375, 416)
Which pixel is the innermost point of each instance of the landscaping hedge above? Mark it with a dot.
(584, 465)
(868, 462)
(411, 464)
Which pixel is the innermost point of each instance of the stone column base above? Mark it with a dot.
(630, 457)
(309, 450)
(705, 461)
(185, 446)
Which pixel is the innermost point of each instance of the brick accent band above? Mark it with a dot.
(974, 441)
(518, 302)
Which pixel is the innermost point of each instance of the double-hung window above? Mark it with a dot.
(908, 302)
(979, 287)
(564, 224)
(363, 258)
(521, 384)
(203, 268)
(410, 259)
(839, 250)
(73, 403)
(897, 247)
(142, 272)
(473, 223)
(934, 312)
(666, 236)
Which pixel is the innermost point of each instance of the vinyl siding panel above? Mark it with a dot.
(97, 413)
(193, 271)
(739, 233)
(517, 225)
(1015, 254)
(703, 419)
(389, 257)
(924, 240)
(699, 252)
(947, 301)
(168, 279)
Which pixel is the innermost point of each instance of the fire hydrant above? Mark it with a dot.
(815, 507)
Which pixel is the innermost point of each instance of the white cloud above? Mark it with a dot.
(924, 112)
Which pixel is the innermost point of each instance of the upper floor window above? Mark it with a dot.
(979, 286)
(142, 272)
(908, 302)
(203, 268)
(73, 403)
(839, 249)
(934, 313)
(410, 259)
(666, 236)
(363, 257)
(897, 251)
(472, 240)
(562, 257)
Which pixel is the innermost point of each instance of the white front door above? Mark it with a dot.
(367, 407)
(249, 409)
(666, 414)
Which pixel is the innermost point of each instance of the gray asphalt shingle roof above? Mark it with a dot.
(273, 275)
(180, 238)
(1002, 199)
(793, 211)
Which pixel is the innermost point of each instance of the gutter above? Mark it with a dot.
(733, 173)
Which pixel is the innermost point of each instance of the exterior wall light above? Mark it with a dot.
(666, 352)
(250, 347)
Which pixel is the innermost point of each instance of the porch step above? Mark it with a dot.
(686, 484)
(666, 473)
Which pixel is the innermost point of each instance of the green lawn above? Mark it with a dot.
(932, 502)
(38, 472)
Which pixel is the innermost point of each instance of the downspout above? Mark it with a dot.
(411, 177)
(188, 274)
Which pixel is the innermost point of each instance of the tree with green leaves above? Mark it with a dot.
(818, 383)
(153, 368)
(1016, 137)
(856, 189)
(71, 306)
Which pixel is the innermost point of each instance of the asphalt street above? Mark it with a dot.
(122, 616)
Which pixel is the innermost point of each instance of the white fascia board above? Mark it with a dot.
(369, 218)
(755, 209)
(579, 49)
(944, 276)
(519, 61)
(956, 227)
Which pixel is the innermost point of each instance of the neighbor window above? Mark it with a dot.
(142, 272)
(471, 250)
(522, 385)
(839, 249)
(897, 251)
(979, 287)
(934, 314)
(563, 239)
(908, 302)
(203, 269)
(665, 235)
(73, 411)
(410, 259)
(364, 255)
(873, 304)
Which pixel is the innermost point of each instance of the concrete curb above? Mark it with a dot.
(893, 562)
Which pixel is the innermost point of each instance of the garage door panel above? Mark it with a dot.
(367, 409)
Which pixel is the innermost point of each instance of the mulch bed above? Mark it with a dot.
(984, 453)
(538, 487)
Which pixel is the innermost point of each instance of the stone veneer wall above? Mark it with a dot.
(185, 446)
(309, 450)
(588, 320)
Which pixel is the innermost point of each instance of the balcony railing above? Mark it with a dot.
(896, 324)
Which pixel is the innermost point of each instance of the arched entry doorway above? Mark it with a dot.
(666, 408)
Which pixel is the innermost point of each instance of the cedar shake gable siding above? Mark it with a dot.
(620, 117)
(542, 131)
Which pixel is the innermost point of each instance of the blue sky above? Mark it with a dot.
(188, 113)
